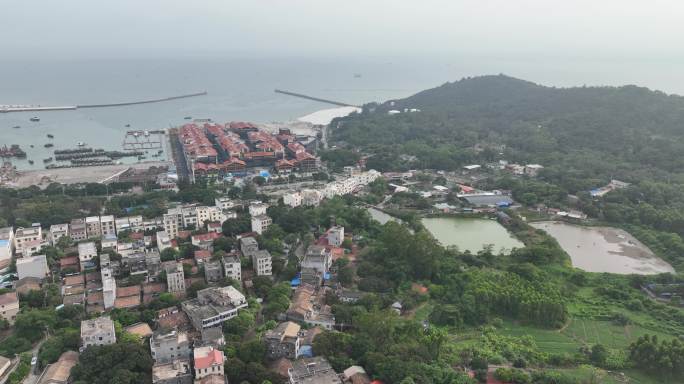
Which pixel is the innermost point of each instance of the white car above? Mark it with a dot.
(34, 361)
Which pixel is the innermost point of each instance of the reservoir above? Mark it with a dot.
(471, 234)
(604, 249)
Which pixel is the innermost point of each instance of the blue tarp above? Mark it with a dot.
(326, 276)
(306, 351)
(295, 282)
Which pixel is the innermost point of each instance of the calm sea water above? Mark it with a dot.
(238, 90)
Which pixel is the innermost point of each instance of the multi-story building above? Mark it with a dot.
(260, 223)
(9, 306)
(248, 245)
(77, 230)
(175, 372)
(312, 370)
(212, 271)
(93, 227)
(163, 240)
(224, 203)
(317, 257)
(28, 240)
(232, 268)
(213, 306)
(122, 224)
(86, 252)
(336, 236)
(311, 197)
(293, 199)
(210, 214)
(169, 346)
(175, 279)
(109, 242)
(262, 263)
(6, 245)
(208, 361)
(108, 287)
(283, 341)
(99, 331)
(57, 231)
(107, 225)
(257, 209)
(32, 266)
(173, 222)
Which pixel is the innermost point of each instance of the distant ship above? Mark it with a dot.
(50, 136)
(81, 144)
(128, 125)
(357, 75)
(188, 117)
(34, 119)
(48, 145)
(17, 126)
(49, 159)
(31, 162)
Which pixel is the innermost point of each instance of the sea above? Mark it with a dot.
(241, 90)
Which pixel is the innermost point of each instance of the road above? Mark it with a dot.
(32, 377)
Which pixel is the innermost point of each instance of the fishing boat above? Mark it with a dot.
(31, 145)
(128, 125)
(81, 144)
(188, 117)
(50, 136)
(31, 162)
(17, 126)
(48, 145)
(34, 119)
(48, 160)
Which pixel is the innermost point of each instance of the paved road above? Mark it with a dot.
(32, 377)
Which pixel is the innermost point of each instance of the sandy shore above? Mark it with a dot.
(325, 116)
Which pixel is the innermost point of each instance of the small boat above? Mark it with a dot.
(50, 136)
(142, 157)
(48, 145)
(49, 159)
(188, 117)
(31, 162)
(31, 145)
(81, 144)
(17, 126)
(128, 125)
(357, 75)
(34, 119)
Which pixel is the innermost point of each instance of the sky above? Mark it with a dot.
(569, 29)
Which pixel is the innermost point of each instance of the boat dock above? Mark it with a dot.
(302, 96)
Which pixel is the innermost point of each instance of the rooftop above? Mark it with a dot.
(95, 326)
(8, 298)
(207, 356)
(315, 370)
(60, 371)
(170, 370)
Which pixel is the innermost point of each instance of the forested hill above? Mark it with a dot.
(628, 132)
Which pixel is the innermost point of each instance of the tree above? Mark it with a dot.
(169, 254)
(120, 363)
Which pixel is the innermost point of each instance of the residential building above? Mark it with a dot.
(260, 223)
(262, 263)
(173, 222)
(308, 306)
(213, 306)
(98, 331)
(175, 279)
(209, 214)
(28, 240)
(336, 236)
(248, 245)
(6, 245)
(533, 170)
(293, 199)
(224, 203)
(317, 257)
(60, 371)
(283, 341)
(27, 284)
(58, 231)
(9, 306)
(314, 370)
(77, 230)
(169, 346)
(213, 336)
(107, 225)
(356, 375)
(208, 361)
(257, 209)
(232, 268)
(33, 266)
(204, 240)
(93, 227)
(212, 271)
(108, 289)
(311, 197)
(109, 242)
(86, 252)
(122, 224)
(175, 372)
(163, 240)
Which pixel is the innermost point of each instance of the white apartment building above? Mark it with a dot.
(175, 279)
(311, 197)
(93, 226)
(210, 214)
(28, 240)
(107, 225)
(232, 267)
(32, 266)
(260, 223)
(173, 222)
(262, 263)
(224, 203)
(257, 209)
(293, 199)
(58, 231)
(336, 236)
(99, 331)
(86, 253)
(163, 240)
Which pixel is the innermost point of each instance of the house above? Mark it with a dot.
(283, 341)
(212, 271)
(317, 257)
(205, 240)
(202, 255)
(172, 318)
(248, 246)
(336, 236)
(107, 225)
(60, 371)
(308, 306)
(27, 284)
(9, 306)
(6, 246)
(58, 231)
(213, 336)
(127, 297)
(260, 223)
(163, 240)
(356, 375)
(224, 203)
(108, 288)
(28, 240)
(262, 263)
(98, 331)
(532, 170)
(257, 209)
(213, 306)
(167, 346)
(109, 242)
(208, 361)
(311, 197)
(231, 267)
(33, 266)
(77, 230)
(293, 199)
(86, 253)
(93, 227)
(175, 278)
(175, 372)
(315, 370)
(347, 296)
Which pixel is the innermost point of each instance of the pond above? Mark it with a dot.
(604, 249)
(471, 234)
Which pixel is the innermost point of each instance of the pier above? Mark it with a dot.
(39, 108)
(302, 96)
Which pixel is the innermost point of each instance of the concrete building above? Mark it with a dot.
(108, 282)
(33, 266)
(9, 306)
(212, 271)
(262, 263)
(213, 306)
(317, 257)
(175, 372)
(109, 242)
(60, 371)
(93, 227)
(25, 239)
(98, 331)
(293, 199)
(224, 203)
(336, 236)
(283, 341)
(257, 209)
(6, 245)
(311, 197)
(107, 225)
(77, 230)
(314, 370)
(248, 245)
(175, 279)
(122, 224)
(173, 222)
(86, 252)
(232, 268)
(260, 223)
(208, 361)
(163, 240)
(166, 347)
(209, 214)
(58, 231)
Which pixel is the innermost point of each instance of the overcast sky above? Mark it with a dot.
(573, 29)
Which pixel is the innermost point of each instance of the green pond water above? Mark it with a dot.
(471, 234)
